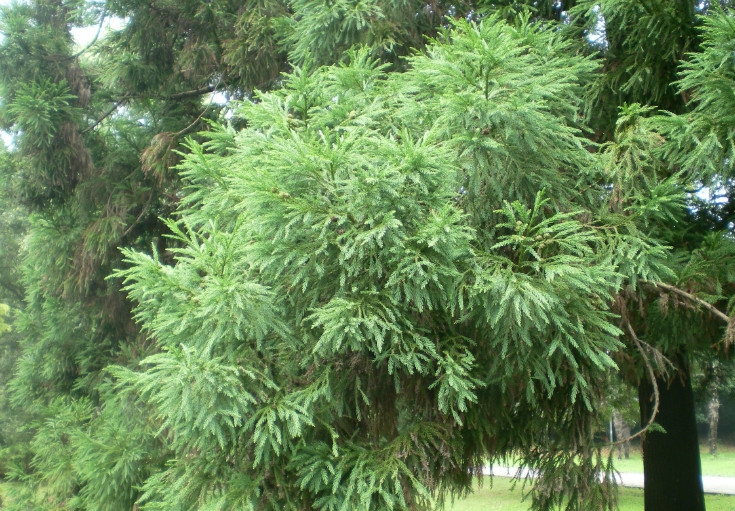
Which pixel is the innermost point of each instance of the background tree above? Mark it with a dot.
(651, 153)
(13, 226)
(706, 249)
(714, 382)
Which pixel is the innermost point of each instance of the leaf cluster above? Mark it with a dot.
(338, 317)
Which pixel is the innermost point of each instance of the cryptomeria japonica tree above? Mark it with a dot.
(379, 276)
(387, 280)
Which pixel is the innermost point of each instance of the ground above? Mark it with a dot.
(500, 494)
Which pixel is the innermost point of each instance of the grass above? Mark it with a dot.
(4, 486)
(721, 465)
(501, 496)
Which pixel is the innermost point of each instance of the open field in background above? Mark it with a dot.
(721, 465)
(502, 497)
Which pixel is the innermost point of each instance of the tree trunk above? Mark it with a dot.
(622, 434)
(713, 417)
(671, 464)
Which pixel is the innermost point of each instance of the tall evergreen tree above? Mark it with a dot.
(375, 294)
(669, 55)
(97, 130)
(382, 275)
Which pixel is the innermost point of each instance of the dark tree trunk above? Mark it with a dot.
(671, 465)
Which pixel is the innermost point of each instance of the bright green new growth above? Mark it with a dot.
(373, 293)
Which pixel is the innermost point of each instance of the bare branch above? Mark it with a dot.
(115, 106)
(194, 123)
(142, 212)
(96, 36)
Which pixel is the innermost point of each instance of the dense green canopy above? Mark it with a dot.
(358, 263)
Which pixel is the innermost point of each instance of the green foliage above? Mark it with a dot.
(38, 109)
(4, 310)
(379, 275)
(638, 68)
(387, 28)
(336, 320)
(508, 100)
(702, 140)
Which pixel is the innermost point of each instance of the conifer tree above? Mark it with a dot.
(376, 291)
(670, 57)
(687, 315)
(97, 131)
(371, 279)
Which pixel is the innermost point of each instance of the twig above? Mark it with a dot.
(652, 376)
(115, 106)
(191, 93)
(96, 36)
(714, 310)
(190, 126)
(142, 212)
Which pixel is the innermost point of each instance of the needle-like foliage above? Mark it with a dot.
(376, 292)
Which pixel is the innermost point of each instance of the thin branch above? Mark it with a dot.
(179, 95)
(190, 126)
(714, 310)
(57, 57)
(651, 376)
(15, 290)
(115, 106)
(96, 36)
(135, 222)
(191, 93)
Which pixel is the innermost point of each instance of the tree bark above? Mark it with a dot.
(671, 464)
(713, 417)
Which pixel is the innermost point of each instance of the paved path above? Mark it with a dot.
(712, 484)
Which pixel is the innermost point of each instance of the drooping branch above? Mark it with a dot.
(94, 40)
(199, 117)
(651, 375)
(178, 95)
(175, 96)
(140, 215)
(711, 308)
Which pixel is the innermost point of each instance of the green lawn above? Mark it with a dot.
(502, 497)
(721, 465)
